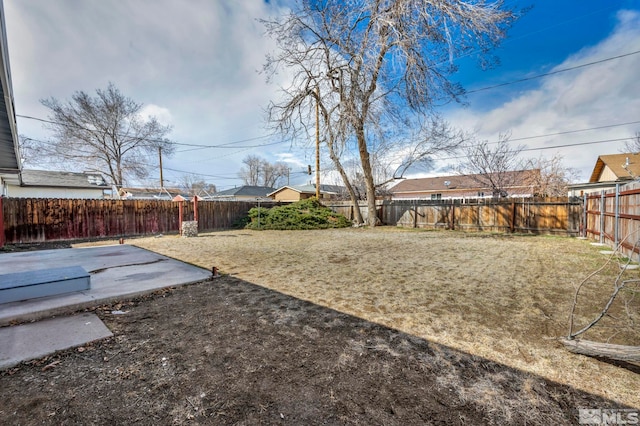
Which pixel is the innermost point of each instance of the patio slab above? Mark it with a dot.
(36, 340)
(117, 272)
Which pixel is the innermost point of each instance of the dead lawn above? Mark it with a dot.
(506, 298)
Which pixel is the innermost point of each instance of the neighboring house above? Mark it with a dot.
(10, 166)
(610, 171)
(150, 194)
(242, 193)
(463, 187)
(54, 184)
(301, 192)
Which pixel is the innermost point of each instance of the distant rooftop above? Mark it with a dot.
(245, 191)
(61, 179)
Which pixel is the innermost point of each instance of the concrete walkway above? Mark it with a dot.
(117, 273)
(42, 338)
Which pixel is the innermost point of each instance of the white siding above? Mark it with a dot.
(41, 192)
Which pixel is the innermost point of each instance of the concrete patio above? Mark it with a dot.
(117, 272)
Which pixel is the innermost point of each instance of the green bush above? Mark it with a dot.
(305, 214)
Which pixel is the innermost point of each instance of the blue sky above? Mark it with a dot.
(194, 65)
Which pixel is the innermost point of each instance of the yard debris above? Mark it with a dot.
(51, 365)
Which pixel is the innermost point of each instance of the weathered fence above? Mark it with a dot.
(33, 220)
(540, 216)
(613, 218)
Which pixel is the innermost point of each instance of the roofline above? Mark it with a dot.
(5, 80)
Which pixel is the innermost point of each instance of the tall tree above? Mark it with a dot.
(494, 166)
(259, 172)
(105, 133)
(192, 185)
(250, 172)
(554, 176)
(381, 62)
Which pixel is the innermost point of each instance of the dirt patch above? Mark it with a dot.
(229, 352)
(502, 297)
(352, 326)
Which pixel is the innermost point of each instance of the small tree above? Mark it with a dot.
(259, 172)
(194, 186)
(493, 167)
(106, 134)
(554, 176)
(633, 145)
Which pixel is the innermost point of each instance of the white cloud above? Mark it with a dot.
(163, 115)
(594, 96)
(194, 64)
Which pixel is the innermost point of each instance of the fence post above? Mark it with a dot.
(2, 239)
(453, 215)
(415, 213)
(602, 216)
(617, 218)
(585, 209)
(513, 217)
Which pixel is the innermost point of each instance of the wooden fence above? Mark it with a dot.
(613, 218)
(33, 220)
(539, 216)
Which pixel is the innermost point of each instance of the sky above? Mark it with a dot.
(195, 65)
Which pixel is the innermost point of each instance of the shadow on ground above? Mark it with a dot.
(225, 351)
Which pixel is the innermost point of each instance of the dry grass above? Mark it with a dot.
(506, 298)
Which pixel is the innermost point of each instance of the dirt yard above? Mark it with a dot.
(381, 326)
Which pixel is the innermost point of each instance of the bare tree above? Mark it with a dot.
(192, 185)
(554, 176)
(30, 152)
(273, 173)
(250, 172)
(633, 145)
(380, 62)
(259, 172)
(105, 134)
(494, 167)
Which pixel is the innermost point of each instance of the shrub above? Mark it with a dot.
(304, 214)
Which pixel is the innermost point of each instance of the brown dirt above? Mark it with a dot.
(381, 326)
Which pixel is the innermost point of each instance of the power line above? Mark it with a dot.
(552, 72)
(574, 131)
(568, 145)
(202, 146)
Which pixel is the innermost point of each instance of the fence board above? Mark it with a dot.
(613, 218)
(550, 215)
(38, 219)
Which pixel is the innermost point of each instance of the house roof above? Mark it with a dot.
(311, 189)
(151, 193)
(56, 179)
(623, 166)
(9, 157)
(246, 191)
(451, 183)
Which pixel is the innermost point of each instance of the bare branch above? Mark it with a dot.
(106, 133)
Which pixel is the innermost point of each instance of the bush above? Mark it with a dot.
(305, 214)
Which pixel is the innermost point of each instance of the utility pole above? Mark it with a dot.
(317, 143)
(160, 156)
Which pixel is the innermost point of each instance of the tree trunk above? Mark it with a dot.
(345, 179)
(372, 217)
(604, 350)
